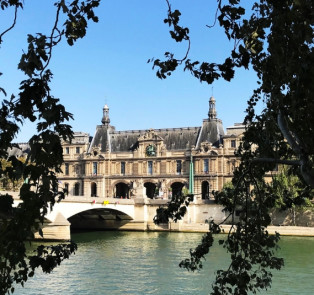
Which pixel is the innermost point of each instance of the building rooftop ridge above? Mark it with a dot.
(153, 129)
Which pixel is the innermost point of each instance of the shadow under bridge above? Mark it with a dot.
(99, 219)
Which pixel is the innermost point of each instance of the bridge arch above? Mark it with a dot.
(99, 218)
(86, 216)
(69, 209)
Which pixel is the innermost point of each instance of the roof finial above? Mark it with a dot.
(212, 114)
(105, 118)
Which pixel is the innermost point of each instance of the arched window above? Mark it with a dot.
(93, 188)
(66, 188)
(122, 190)
(177, 188)
(205, 190)
(77, 189)
(150, 189)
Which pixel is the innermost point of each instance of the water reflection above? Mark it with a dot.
(139, 263)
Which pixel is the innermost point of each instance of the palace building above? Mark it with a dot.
(152, 163)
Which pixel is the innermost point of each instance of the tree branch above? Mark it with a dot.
(12, 26)
(52, 43)
(283, 126)
(305, 164)
(277, 161)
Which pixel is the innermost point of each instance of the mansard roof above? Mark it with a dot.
(122, 141)
(212, 131)
(108, 139)
(20, 150)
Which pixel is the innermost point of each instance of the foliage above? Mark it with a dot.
(176, 209)
(35, 103)
(8, 183)
(290, 190)
(275, 39)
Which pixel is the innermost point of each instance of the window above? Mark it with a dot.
(77, 150)
(150, 167)
(77, 189)
(66, 165)
(77, 169)
(122, 168)
(205, 190)
(94, 168)
(67, 150)
(179, 166)
(93, 189)
(233, 143)
(66, 188)
(206, 165)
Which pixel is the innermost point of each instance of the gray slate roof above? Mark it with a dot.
(107, 138)
(23, 150)
(212, 131)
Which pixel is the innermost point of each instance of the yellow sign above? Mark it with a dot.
(106, 202)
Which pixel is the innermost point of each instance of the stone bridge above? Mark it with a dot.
(84, 213)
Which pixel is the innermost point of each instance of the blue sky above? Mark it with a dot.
(110, 66)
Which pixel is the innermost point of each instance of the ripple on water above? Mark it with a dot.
(139, 263)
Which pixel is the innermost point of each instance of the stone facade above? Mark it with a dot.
(154, 163)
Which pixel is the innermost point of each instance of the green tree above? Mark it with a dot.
(36, 103)
(274, 38)
(7, 183)
(289, 190)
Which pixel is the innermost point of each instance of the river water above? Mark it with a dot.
(139, 263)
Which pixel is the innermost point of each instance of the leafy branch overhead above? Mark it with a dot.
(34, 102)
(275, 40)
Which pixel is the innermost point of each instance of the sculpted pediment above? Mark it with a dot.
(95, 151)
(150, 135)
(206, 148)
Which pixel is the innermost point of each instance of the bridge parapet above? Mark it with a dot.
(101, 200)
(115, 201)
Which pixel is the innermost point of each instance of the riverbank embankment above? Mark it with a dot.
(301, 231)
